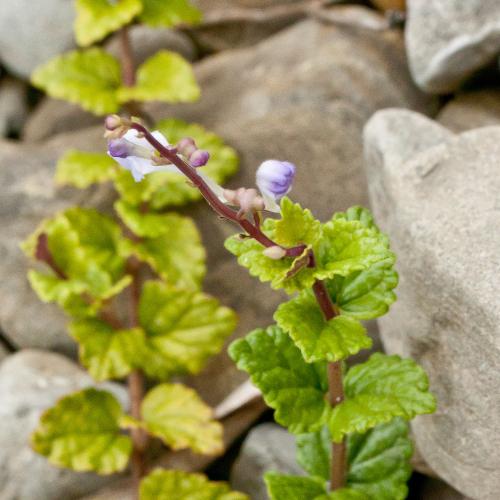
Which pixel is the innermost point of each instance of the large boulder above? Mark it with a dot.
(436, 195)
(447, 40)
(30, 382)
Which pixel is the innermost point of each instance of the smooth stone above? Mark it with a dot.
(30, 382)
(436, 195)
(268, 447)
(13, 106)
(448, 40)
(470, 110)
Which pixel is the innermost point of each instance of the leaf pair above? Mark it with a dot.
(92, 79)
(376, 391)
(83, 431)
(98, 18)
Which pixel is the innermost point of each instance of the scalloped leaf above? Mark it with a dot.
(97, 18)
(177, 415)
(378, 390)
(105, 352)
(168, 13)
(183, 329)
(165, 77)
(293, 388)
(81, 169)
(89, 78)
(282, 487)
(82, 432)
(179, 485)
(317, 338)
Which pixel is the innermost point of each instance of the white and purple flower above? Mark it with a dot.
(274, 180)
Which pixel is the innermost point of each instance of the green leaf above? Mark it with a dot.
(168, 13)
(318, 339)
(176, 414)
(365, 294)
(296, 225)
(88, 78)
(378, 390)
(344, 494)
(165, 77)
(82, 169)
(81, 432)
(97, 18)
(278, 272)
(348, 246)
(105, 352)
(183, 329)
(378, 460)
(179, 485)
(360, 214)
(281, 487)
(292, 387)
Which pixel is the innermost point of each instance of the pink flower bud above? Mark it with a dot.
(275, 252)
(199, 158)
(186, 147)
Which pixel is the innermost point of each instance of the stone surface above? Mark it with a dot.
(13, 106)
(434, 489)
(33, 32)
(447, 40)
(437, 196)
(268, 447)
(28, 194)
(30, 382)
(471, 110)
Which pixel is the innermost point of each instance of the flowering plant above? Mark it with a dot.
(131, 285)
(351, 427)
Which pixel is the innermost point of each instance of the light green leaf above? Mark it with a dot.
(89, 78)
(281, 487)
(277, 272)
(82, 169)
(314, 451)
(105, 352)
(292, 387)
(317, 338)
(296, 226)
(168, 13)
(165, 77)
(344, 494)
(179, 485)
(378, 390)
(365, 294)
(81, 432)
(183, 329)
(97, 18)
(360, 214)
(348, 246)
(176, 414)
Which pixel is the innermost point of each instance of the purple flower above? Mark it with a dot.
(274, 179)
(137, 155)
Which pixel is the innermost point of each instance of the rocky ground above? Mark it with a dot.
(405, 119)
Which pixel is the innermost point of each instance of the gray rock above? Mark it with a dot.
(30, 382)
(436, 195)
(33, 32)
(28, 194)
(13, 106)
(268, 447)
(471, 110)
(447, 40)
(434, 489)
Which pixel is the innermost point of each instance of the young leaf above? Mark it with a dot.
(82, 169)
(97, 18)
(89, 78)
(179, 485)
(378, 390)
(292, 387)
(365, 294)
(183, 329)
(166, 77)
(378, 460)
(360, 214)
(168, 13)
(344, 494)
(317, 338)
(81, 432)
(105, 352)
(176, 414)
(281, 487)
(348, 246)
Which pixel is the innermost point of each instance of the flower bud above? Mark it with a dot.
(199, 158)
(119, 148)
(112, 122)
(274, 178)
(275, 252)
(186, 147)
